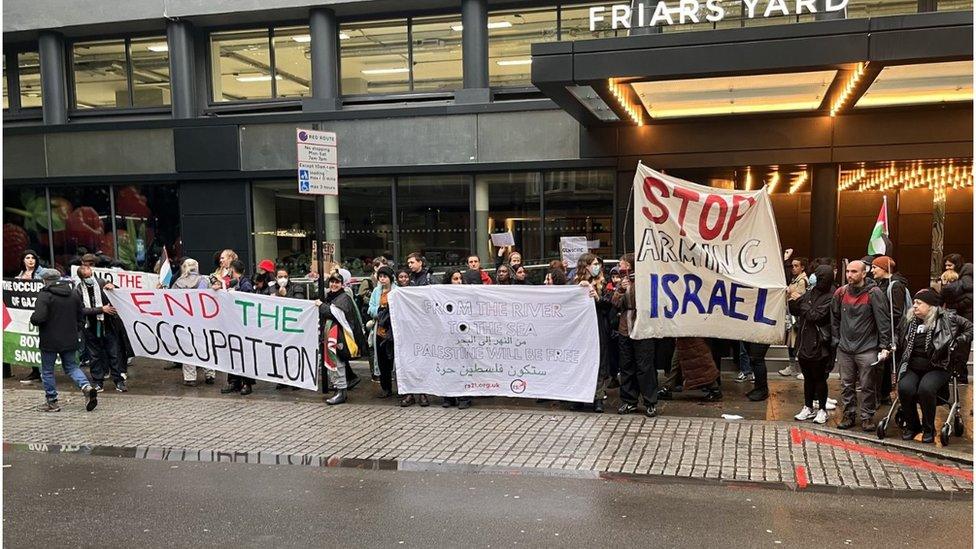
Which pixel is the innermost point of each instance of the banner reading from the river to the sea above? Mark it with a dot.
(20, 340)
(268, 338)
(516, 341)
(708, 262)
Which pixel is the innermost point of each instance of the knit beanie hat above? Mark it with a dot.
(885, 263)
(929, 296)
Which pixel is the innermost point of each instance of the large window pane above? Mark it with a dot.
(374, 57)
(100, 75)
(150, 72)
(25, 225)
(510, 36)
(955, 5)
(575, 23)
(513, 200)
(437, 53)
(86, 226)
(579, 203)
(366, 222)
(241, 65)
(435, 218)
(6, 103)
(293, 65)
(29, 74)
(147, 217)
(284, 225)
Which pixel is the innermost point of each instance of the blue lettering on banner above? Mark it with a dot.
(722, 298)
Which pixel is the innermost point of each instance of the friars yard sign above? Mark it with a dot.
(623, 16)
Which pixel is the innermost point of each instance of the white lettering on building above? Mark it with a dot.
(621, 16)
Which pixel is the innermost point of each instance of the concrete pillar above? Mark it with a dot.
(54, 89)
(324, 46)
(823, 210)
(481, 236)
(474, 51)
(332, 224)
(182, 72)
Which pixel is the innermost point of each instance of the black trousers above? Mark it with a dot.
(638, 377)
(757, 357)
(104, 353)
(815, 374)
(921, 389)
(384, 359)
(237, 381)
(613, 354)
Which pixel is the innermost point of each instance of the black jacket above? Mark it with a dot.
(958, 295)
(343, 302)
(949, 328)
(812, 312)
(57, 314)
(422, 278)
(859, 319)
(898, 296)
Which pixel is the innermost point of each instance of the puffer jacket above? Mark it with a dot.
(950, 329)
(958, 295)
(695, 360)
(57, 315)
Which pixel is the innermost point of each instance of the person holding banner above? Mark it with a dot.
(31, 271)
(99, 335)
(238, 283)
(589, 273)
(340, 309)
(379, 311)
(191, 279)
(57, 315)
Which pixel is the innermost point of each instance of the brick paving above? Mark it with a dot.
(528, 440)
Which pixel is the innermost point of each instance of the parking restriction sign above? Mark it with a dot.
(318, 162)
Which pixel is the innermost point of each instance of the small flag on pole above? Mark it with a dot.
(879, 243)
(165, 271)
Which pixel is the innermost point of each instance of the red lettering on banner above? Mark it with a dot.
(723, 210)
(170, 301)
(130, 281)
(650, 184)
(737, 201)
(203, 306)
(140, 302)
(686, 195)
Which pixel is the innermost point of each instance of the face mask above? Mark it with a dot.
(595, 270)
(283, 281)
(813, 279)
(90, 281)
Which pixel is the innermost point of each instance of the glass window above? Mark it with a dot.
(579, 203)
(25, 227)
(6, 104)
(100, 75)
(955, 5)
(374, 57)
(150, 72)
(436, 53)
(510, 37)
(284, 225)
(293, 61)
(366, 222)
(29, 75)
(434, 215)
(87, 226)
(147, 217)
(575, 23)
(514, 206)
(241, 65)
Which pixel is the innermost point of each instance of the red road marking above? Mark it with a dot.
(798, 436)
(801, 477)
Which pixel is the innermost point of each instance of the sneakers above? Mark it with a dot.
(99, 386)
(408, 400)
(650, 411)
(121, 387)
(806, 414)
(92, 396)
(246, 389)
(799, 376)
(831, 404)
(423, 401)
(598, 406)
(209, 380)
(789, 371)
(51, 406)
(744, 377)
(626, 408)
(464, 403)
(821, 417)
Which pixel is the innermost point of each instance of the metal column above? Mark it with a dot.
(474, 49)
(182, 73)
(324, 48)
(54, 90)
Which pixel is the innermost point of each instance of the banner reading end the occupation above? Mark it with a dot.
(268, 338)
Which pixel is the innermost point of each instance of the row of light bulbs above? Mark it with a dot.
(935, 177)
(632, 108)
(841, 100)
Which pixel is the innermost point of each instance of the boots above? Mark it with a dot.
(338, 398)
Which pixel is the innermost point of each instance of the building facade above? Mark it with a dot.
(154, 124)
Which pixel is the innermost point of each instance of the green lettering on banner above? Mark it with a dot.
(262, 314)
(286, 319)
(244, 305)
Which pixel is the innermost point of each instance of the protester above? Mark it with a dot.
(927, 339)
(638, 377)
(263, 277)
(369, 283)
(557, 265)
(895, 288)
(222, 275)
(958, 295)
(813, 350)
(745, 368)
(613, 320)
(474, 264)
(239, 281)
(503, 275)
(797, 286)
(402, 277)
(282, 286)
(191, 279)
(58, 315)
(31, 271)
(379, 311)
(555, 277)
(589, 274)
(420, 275)
(471, 277)
(467, 277)
(453, 276)
(339, 307)
(89, 260)
(521, 275)
(861, 333)
(98, 335)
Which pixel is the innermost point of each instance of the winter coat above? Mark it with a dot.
(626, 304)
(695, 360)
(421, 278)
(859, 319)
(949, 328)
(958, 295)
(57, 314)
(812, 312)
(292, 290)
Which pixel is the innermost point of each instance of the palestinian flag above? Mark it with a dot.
(879, 243)
(329, 345)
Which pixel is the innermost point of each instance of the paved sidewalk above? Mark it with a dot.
(490, 439)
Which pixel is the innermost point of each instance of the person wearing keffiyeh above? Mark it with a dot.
(99, 336)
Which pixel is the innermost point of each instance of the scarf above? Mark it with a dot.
(86, 297)
(912, 332)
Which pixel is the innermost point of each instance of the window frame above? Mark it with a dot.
(14, 110)
(74, 111)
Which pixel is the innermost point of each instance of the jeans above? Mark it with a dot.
(815, 374)
(857, 370)
(69, 361)
(744, 365)
(638, 377)
(921, 389)
(104, 354)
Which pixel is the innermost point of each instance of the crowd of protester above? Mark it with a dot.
(872, 328)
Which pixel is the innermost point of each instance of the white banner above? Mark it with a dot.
(514, 341)
(709, 262)
(268, 338)
(129, 280)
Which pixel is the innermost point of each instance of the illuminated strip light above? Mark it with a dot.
(841, 101)
(773, 182)
(799, 182)
(632, 109)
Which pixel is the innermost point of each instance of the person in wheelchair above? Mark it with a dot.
(929, 335)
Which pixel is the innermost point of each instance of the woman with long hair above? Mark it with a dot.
(589, 274)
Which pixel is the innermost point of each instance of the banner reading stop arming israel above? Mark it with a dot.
(709, 262)
(268, 338)
(515, 341)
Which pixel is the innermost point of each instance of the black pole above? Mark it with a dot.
(320, 236)
(54, 105)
